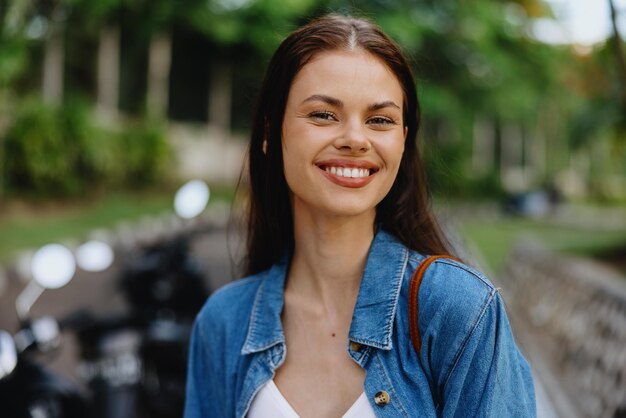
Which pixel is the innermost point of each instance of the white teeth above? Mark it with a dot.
(348, 172)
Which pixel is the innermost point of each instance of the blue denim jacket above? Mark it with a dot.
(469, 364)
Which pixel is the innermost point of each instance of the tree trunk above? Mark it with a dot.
(537, 153)
(54, 54)
(4, 124)
(108, 72)
(159, 65)
(619, 53)
(511, 158)
(220, 99)
(482, 147)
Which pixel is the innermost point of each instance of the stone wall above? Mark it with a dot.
(207, 153)
(575, 310)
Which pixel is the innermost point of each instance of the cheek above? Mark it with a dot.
(394, 160)
(287, 164)
(394, 153)
(400, 152)
(293, 164)
(300, 144)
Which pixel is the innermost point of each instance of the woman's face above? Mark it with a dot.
(343, 134)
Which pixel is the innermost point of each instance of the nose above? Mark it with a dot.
(353, 138)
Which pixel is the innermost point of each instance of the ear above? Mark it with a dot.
(406, 131)
(266, 134)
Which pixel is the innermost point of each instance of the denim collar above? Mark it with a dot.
(374, 312)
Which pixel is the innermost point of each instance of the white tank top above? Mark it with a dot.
(270, 403)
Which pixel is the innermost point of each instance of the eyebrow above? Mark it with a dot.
(324, 98)
(338, 103)
(382, 105)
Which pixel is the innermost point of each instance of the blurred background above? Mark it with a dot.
(108, 106)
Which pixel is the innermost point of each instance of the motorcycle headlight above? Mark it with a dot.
(8, 354)
(46, 333)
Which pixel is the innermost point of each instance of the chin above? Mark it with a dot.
(334, 204)
(350, 208)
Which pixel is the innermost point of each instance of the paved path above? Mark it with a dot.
(99, 293)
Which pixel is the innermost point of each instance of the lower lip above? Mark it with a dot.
(352, 182)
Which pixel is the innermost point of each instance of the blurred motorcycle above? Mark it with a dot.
(139, 360)
(28, 389)
(133, 363)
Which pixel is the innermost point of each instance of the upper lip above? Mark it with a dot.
(339, 162)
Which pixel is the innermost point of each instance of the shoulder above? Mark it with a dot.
(231, 304)
(456, 303)
(452, 285)
(453, 298)
(232, 294)
(219, 331)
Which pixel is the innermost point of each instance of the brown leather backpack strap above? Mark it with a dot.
(414, 289)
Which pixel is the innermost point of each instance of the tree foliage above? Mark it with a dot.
(474, 60)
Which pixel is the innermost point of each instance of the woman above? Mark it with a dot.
(338, 222)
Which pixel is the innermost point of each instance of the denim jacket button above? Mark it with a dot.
(356, 347)
(381, 398)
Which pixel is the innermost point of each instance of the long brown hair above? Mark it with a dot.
(405, 212)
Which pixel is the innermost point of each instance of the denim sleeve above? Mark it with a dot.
(489, 377)
(196, 400)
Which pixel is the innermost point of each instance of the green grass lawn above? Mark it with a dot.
(495, 238)
(28, 226)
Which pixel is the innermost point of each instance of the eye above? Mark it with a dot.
(381, 121)
(323, 115)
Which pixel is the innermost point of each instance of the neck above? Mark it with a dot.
(329, 258)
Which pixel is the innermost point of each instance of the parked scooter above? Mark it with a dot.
(139, 360)
(27, 388)
(166, 288)
(133, 364)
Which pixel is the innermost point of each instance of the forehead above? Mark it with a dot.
(355, 74)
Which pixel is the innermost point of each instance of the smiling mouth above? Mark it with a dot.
(349, 172)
